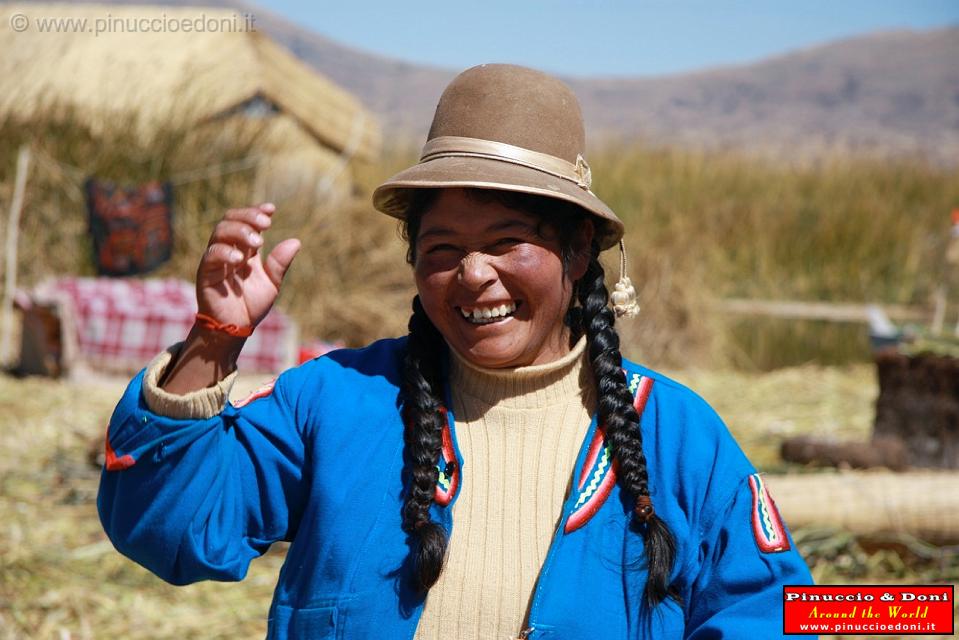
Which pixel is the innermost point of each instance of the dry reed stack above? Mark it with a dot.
(919, 405)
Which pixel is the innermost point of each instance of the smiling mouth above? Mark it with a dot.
(488, 315)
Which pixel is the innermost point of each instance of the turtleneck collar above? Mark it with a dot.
(529, 387)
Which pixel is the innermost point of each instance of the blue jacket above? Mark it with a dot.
(317, 460)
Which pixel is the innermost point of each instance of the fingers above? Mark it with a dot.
(257, 217)
(219, 254)
(240, 234)
(279, 260)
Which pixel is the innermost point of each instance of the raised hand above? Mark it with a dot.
(233, 283)
(234, 286)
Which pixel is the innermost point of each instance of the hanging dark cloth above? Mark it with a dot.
(132, 227)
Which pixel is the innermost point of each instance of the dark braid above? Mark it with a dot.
(615, 410)
(424, 420)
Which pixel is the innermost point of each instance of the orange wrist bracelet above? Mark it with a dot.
(209, 322)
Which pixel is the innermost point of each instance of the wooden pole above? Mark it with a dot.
(10, 250)
(952, 264)
(831, 311)
(939, 312)
(921, 503)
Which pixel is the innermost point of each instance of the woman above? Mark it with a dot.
(592, 498)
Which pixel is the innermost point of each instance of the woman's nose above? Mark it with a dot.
(476, 272)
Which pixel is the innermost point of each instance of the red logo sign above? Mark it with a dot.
(893, 610)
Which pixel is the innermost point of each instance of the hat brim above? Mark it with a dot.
(393, 196)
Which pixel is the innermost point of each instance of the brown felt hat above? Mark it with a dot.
(500, 126)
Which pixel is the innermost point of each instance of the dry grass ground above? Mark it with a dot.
(60, 577)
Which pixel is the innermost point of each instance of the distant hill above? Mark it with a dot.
(888, 93)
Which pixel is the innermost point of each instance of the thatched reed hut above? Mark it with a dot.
(183, 66)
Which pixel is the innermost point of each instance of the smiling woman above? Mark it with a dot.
(592, 497)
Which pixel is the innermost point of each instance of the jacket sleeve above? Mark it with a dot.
(198, 498)
(745, 557)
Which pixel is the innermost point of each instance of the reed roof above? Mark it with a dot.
(141, 59)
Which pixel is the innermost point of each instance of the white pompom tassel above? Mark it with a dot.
(624, 296)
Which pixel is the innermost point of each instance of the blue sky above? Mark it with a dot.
(604, 37)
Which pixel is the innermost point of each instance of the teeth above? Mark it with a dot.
(488, 314)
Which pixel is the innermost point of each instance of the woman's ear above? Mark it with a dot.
(581, 249)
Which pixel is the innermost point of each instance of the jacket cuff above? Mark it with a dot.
(196, 405)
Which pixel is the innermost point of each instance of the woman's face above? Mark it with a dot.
(491, 280)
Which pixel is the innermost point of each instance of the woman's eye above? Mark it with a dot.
(439, 248)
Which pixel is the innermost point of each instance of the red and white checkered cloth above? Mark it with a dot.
(121, 324)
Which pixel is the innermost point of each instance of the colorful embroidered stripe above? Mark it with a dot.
(260, 392)
(643, 386)
(588, 509)
(449, 473)
(598, 449)
(633, 381)
(767, 526)
(591, 454)
(599, 472)
(114, 462)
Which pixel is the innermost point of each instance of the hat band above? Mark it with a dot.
(463, 147)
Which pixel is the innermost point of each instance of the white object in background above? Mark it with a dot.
(879, 323)
(10, 277)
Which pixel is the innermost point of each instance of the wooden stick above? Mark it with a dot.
(10, 272)
(832, 311)
(921, 503)
(939, 314)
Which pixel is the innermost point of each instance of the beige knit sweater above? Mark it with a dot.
(519, 432)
